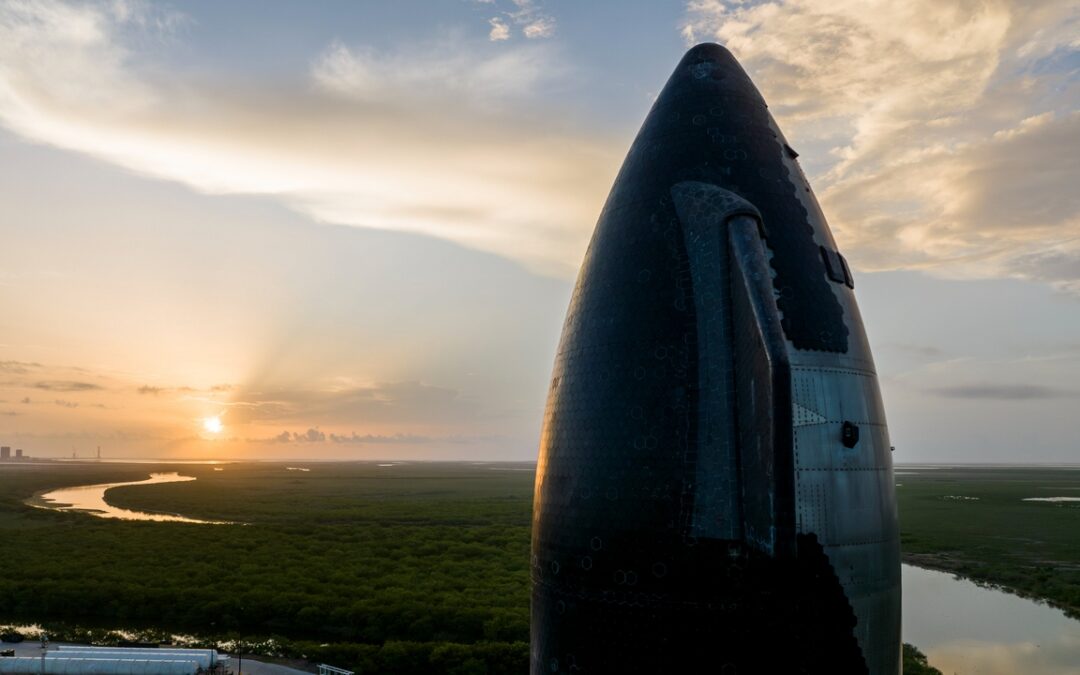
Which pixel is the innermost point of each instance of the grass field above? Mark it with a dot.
(974, 521)
(415, 568)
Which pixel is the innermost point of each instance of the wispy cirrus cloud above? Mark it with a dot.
(445, 70)
(447, 139)
(1004, 392)
(917, 350)
(527, 15)
(314, 435)
(946, 126)
(18, 367)
(378, 404)
(66, 385)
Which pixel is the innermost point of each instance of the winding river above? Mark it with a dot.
(90, 499)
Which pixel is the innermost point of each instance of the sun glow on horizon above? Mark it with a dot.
(212, 425)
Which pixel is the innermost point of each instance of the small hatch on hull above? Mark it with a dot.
(833, 268)
(849, 434)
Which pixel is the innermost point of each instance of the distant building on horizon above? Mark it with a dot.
(5, 452)
(18, 453)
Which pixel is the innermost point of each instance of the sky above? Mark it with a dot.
(271, 230)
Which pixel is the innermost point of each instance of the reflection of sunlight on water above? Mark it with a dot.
(33, 632)
(1049, 657)
(91, 499)
(1052, 499)
(966, 629)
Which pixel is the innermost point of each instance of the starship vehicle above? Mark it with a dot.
(714, 491)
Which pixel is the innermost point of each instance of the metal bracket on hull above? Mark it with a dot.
(745, 474)
(763, 395)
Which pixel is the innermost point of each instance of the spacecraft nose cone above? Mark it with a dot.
(706, 71)
(694, 494)
(708, 97)
(711, 125)
(707, 59)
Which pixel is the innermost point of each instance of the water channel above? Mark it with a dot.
(90, 499)
(967, 629)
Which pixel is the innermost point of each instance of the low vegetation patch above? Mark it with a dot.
(978, 522)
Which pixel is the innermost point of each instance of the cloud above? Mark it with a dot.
(154, 391)
(312, 435)
(66, 385)
(380, 438)
(938, 133)
(1004, 392)
(534, 23)
(375, 404)
(119, 435)
(919, 350)
(446, 69)
(539, 28)
(18, 367)
(404, 439)
(499, 30)
(66, 404)
(998, 207)
(528, 16)
(448, 139)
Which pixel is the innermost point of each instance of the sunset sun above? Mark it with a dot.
(212, 425)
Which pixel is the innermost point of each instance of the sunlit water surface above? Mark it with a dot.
(91, 499)
(966, 629)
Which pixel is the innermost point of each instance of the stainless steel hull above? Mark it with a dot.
(714, 490)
